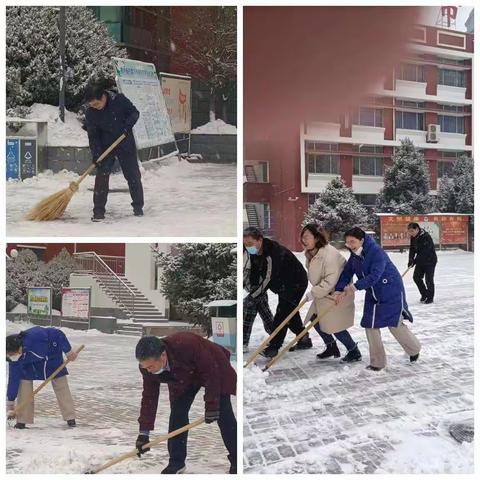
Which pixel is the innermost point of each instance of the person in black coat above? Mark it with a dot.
(284, 275)
(110, 114)
(422, 255)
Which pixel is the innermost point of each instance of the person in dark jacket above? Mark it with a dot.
(110, 115)
(256, 300)
(283, 274)
(35, 354)
(186, 362)
(422, 255)
(385, 301)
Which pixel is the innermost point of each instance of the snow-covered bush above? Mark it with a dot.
(32, 56)
(57, 275)
(194, 274)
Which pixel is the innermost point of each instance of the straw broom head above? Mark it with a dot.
(54, 206)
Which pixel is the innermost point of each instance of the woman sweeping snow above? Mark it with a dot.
(385, 302)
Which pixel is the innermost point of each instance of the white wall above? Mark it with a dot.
(98, 299)
(140, 270)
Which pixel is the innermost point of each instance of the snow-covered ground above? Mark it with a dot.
(106, 385)
(216, 127)
(311, 416)
(181, 199)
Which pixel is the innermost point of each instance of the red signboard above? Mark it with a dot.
(444, 229)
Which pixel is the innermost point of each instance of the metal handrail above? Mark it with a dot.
(111, 273)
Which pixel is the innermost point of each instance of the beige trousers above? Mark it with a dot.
(62, 392)
(402, 334)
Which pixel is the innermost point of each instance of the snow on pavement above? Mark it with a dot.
(311, 416)
(106, 386)
(181, 199)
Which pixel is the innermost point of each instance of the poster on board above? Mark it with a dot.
(39, 301)
(139, 82)
(76, 303)
(177, 93)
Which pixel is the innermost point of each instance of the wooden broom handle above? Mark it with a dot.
(154, 442)
(45, 382)
(100, 158)
(267, 341)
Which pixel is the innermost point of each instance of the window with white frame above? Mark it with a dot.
(410, 72)
(453, 78)
(444, 168)
(451, 124)
(409, 120)
(322, 157)
(368, 116)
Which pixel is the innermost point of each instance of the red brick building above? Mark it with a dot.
(427, 97)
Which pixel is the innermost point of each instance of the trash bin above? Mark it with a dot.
(224, 324)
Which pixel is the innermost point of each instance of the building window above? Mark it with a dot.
(257, 215)
(453, 78)
(256, 172)
(409, 104)
(450, 154)
(366, 199)
(451, 124)
(409, 120)
(327, 164)
(452, 108)
(311, 147)
(312, 198)
(410, 72)
(372, 166)
(444, 169)
(369, 117)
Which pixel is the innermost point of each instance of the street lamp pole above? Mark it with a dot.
(61, 48)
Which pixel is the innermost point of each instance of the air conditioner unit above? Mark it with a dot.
(432, 133)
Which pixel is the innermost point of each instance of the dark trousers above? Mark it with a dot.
(427, 289)
(132, 175)
(343, 337)
(252, 307)
(284, 308)
(179, 408)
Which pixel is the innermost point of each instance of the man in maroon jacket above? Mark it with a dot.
(186, 362)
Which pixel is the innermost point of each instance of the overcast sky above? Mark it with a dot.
(431, 14)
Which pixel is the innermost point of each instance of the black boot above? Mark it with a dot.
(414, 358)
(304, 344)
(269, 352)
(71, 423)
(353, 355)
(331, 351)
(173, 469)
(20, 426)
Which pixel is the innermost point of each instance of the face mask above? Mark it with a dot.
(15, 357)
(252, 250)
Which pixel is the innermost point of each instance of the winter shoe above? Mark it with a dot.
(375, 369)
(422, 299)
(71, 423)
(353, 355)
(269, 352)
(233, 469)
(20, 426)
(414, 358)
(430, 300)
(97, 218)
(138, 212)
(172, 469)
(245, 349)
(303, 344)
(331, 351)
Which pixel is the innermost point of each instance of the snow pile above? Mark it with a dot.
(217, 127)
(68, 134)
(20, 308)
(255, 386)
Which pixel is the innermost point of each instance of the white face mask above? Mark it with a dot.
(15, 357)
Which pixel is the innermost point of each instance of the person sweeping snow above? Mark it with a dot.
(35, 354)
(108, 116)
(385, 302)
(186, 362)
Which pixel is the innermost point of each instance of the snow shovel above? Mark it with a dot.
(43, 384)
(54, 206)
(264, 344)
(155, 441)
(313, 321)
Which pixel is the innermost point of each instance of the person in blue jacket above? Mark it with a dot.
(35, 354)
(385, 301)
(109, 115)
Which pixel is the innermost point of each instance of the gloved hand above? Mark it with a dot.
(141, 441)
(309, 296)
(211, 416)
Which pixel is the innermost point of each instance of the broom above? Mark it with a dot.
(54, 206)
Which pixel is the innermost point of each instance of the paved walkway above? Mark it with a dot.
(312, 416)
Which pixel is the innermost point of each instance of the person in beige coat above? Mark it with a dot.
(324, 266)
